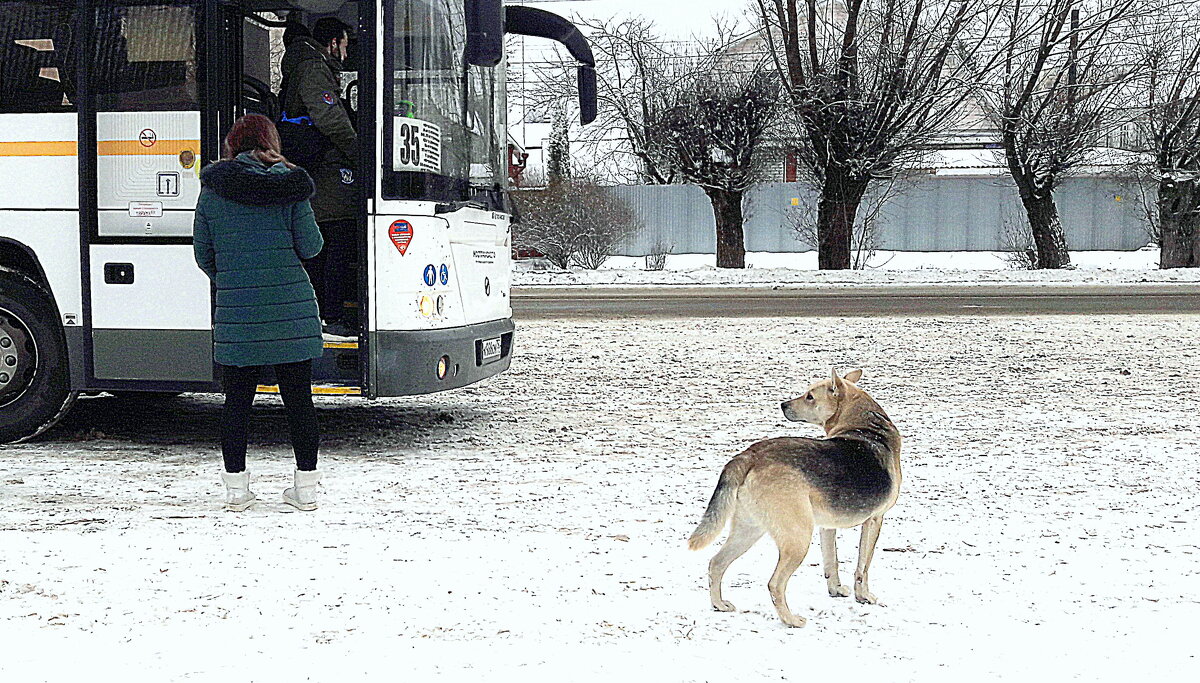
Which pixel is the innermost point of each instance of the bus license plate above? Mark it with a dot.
(490, 350)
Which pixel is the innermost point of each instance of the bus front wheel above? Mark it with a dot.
(35, 386)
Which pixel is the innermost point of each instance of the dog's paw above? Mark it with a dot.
(794, 621)
(866, 597)
(724, 606)
(839, 591)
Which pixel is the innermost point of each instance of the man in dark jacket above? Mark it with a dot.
(312, 97)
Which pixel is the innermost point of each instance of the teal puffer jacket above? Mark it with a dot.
(253, 226)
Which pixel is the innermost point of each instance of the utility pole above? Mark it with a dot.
(1073, 65)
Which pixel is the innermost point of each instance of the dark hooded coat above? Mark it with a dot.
(311, 89)
(253, 227)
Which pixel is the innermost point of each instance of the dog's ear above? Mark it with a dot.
(837, 387)
(853, 376)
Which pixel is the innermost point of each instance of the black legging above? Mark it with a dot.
(295, 385)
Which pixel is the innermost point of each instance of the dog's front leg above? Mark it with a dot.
(829, 559)
(866, 549)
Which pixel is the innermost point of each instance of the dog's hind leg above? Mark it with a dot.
(830, 562)
(743, 533)
(793, 542)
(866, 550)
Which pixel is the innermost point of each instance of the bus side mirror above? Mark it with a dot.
(587, 94)
(485, 32)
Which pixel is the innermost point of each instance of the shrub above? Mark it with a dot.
(573, 222)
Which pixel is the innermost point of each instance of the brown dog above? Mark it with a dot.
(788, 486)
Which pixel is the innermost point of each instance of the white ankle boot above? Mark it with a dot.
(303, 494)
(238, 495)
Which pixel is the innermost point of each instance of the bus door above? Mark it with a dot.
(253, 61)
(150, 304)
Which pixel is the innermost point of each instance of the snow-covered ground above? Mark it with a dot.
(533, 527)
(982, 268)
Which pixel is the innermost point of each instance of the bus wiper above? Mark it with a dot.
(451, 207)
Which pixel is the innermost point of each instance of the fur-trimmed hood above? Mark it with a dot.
(246, 180)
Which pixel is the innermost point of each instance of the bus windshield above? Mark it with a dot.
(443, 124)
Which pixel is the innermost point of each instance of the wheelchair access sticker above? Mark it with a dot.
(401, 234)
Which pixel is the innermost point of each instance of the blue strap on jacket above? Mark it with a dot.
(299, 120)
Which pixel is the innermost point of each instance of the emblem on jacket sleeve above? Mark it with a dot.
(328, 98)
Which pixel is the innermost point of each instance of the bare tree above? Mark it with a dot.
(692, 112)
(1059, 89)
(1170, 126)
(865, 240)
(636, 72)
(873, 85)
(711, 137)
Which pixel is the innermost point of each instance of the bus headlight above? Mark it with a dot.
(441, 305)
(426, 306)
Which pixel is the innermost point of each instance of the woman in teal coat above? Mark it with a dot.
(253, 229)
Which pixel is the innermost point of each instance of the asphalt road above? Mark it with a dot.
(541, 303)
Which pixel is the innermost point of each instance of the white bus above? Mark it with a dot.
(110, 108)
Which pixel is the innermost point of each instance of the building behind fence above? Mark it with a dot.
(940, 213)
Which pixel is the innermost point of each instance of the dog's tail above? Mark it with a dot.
(721, 504)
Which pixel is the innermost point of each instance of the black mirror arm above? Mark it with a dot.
(530, 21)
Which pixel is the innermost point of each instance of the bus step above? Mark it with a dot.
(328, 389)
(341, 345)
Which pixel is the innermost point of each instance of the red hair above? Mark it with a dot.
(256, 134)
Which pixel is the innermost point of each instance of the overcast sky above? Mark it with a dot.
(674, 18)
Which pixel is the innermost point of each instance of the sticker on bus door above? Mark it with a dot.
(401, 234)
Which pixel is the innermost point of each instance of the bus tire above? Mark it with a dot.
(35, 384)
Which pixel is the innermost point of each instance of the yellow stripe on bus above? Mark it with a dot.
(115, 148)
(331, 391)
(104, 148)
(37, 149)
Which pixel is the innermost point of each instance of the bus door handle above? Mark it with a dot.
(118, 273)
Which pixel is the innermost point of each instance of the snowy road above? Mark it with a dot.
(531, 303)
(533, 527)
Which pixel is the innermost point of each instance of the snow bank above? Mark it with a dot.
(897, 268)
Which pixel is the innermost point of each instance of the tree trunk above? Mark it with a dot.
(1049, 240)
(836, 212)
(727, 210)
(1179, 223)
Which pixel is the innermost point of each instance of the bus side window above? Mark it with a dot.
(146, 58)
(35, 57)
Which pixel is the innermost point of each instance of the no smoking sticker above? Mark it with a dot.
(401, 234)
